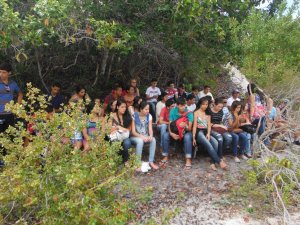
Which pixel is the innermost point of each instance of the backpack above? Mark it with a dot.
(175, 125)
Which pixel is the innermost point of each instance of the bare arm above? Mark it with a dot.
(20, 97)
(195, 125)
(133, 131)
(208, 125)
(161, 120)
(85, 134)
(150, 128)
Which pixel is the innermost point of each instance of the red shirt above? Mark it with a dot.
(171, 92)
(109, 99)
(165, 114)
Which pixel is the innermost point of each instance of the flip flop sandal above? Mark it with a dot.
(213, 167)
(187, 167)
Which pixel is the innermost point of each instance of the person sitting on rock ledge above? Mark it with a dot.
(176, 113)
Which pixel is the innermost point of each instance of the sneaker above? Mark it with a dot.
(244, 157)
(237, 160)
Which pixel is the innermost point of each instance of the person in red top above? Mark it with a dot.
(113, 96)
(164, 118)
(172, 91)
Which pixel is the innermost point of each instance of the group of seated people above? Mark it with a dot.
(192, 119)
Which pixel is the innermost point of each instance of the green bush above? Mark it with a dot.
(48, 182)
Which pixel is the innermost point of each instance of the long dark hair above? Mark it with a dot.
(78, 89)
(201, 101)
(126, 116)
(136, 100)
(143, 105)
(256, 90)
(234, 105)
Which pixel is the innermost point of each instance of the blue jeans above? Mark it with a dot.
(210, 145)
(124, 152)
(237, 138)
(224, 140)
(187, 141)
(262, 126)
(153, 110)
(248, 144)
(139, 142)
(162, 128)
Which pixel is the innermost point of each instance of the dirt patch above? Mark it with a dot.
(199, 196)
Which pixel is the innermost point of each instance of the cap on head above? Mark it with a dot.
(235, 91)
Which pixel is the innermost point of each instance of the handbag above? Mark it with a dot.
(219, 130)
(249, 128)
(119, 135)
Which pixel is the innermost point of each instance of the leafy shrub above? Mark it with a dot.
(48, 182)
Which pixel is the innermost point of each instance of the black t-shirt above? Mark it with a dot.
(216, 118)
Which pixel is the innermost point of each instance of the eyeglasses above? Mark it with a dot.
(7, 88)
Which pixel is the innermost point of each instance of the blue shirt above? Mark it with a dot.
(55, 101)
(174, 114)
(7, 93)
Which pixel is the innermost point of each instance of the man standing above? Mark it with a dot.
(9, 90)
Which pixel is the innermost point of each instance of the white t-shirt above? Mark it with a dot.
(191, 107)
(202, 94)
(152, 92)
(159, 106)
(231, 100)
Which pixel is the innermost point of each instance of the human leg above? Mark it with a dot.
(152, 150)
(219, 139)
(243, 139)
(227, 139)
(188, 144)
(139, 145)
(124, 152)
(234, 143)
(201, 138)
(166, 144)
(163, 128)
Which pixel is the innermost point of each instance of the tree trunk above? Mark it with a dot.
(102, 66)
(37, 57)
(109, 68)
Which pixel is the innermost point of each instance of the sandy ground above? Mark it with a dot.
(199, 196)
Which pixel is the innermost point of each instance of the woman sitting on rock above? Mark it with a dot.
(202, 131)
(142, 132)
